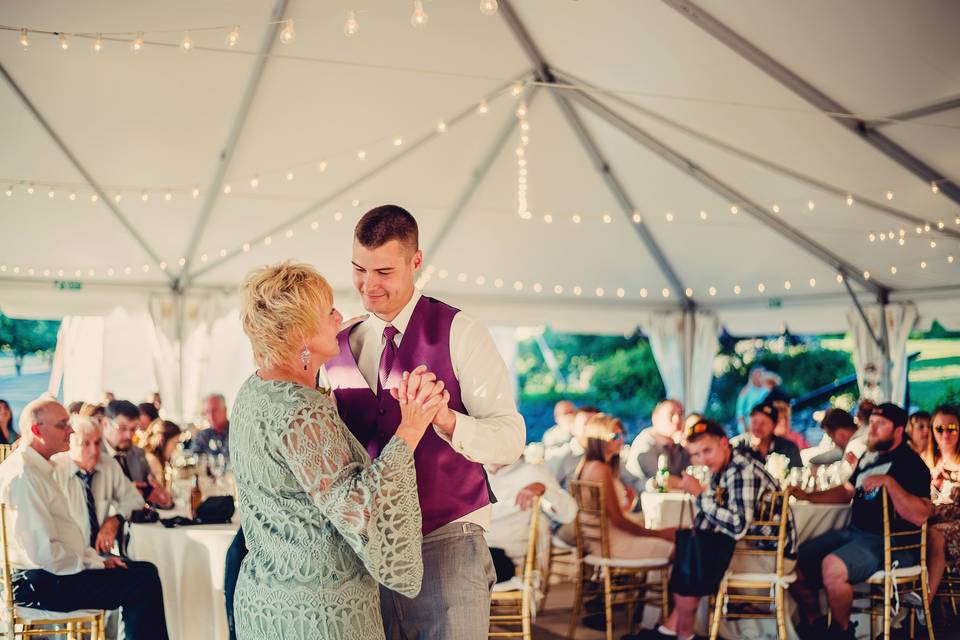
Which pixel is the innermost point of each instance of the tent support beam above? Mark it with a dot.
(236, 129)
(87, 176)
(721, 188)
(814, 96)
(947, 104)
(575, 83)
(544, 74)
(863, 314)
(346, 188)
(476, 179)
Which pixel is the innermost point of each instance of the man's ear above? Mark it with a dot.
(418, 260)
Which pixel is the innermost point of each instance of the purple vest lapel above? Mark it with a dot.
(450, 486)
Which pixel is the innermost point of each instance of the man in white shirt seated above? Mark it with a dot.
(100, 497)
(54, 567)
(515, 487)
(562, 460)
(561, 432)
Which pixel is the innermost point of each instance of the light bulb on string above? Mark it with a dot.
(441, 126)
(233, 37)
(811, 205)
(734, 210)
(195, 192)
(489, 7)
(849, 200)
(144, 195)
(522, 110)
(137, 43)
(419, 19)
(483, 108)
(62, 40)
(889, 195)
(51, 194)
(516, 89)
(72, 196)
(24, 39)
(255, 182)
(94, 197)
(30, 189)
(351, 27)
(187, 43)
(168, 196)
(322, 166)
(934, 187)
(98, 43)
(287, 34)
(290, 176)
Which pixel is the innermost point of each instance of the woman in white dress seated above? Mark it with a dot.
(601, 464)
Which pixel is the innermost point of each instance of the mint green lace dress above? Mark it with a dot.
(323, 523)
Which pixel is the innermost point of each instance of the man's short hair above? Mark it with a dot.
(33, 414)
(123, 408)
(147, 409)
(216, 396)
(74, 407)
(836, 418)
(864, 410)
(388, 222)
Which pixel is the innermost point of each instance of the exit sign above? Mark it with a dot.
(68, 285)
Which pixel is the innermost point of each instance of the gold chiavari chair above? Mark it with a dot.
(512, 602)
(621, 580)
(561, 564)
(885, 587)
(759, 588)
(5, 451)
(24, 622)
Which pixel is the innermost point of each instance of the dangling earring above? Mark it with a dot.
(305, 358)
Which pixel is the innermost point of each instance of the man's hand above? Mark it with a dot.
(107, 534)
(669, 535)
(446, 419)
(113, 562)
(526, 495)
(690, 484)
(875, 482)
(674, 483)
(851, 458)
(158, 494)
(799, 494)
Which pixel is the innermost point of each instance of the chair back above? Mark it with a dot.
(591, 520)
(892, 545)
(530, 568)
(5, 451)
(772, 515)
(8, 605)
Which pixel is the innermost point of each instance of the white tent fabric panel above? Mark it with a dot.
(877, 378)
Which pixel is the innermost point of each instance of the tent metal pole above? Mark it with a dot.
(236, 129)
(863, 314)
(544, 74)
(576, 84)
(716, 185)
(476, 179)
(386, 164)
(814, 96)
(940, 106)
(87, 176)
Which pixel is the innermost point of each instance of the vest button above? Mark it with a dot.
(382, 411)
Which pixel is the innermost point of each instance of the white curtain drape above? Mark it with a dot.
(876, 381)
(684, 344)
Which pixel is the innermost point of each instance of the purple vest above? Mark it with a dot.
(450, 486)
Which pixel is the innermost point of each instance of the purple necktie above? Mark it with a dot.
(388, 357)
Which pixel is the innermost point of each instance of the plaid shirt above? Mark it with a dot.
(729, 505)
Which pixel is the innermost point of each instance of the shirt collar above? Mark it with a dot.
(37, 461)
(401, 321)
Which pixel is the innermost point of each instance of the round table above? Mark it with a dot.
(191, 562)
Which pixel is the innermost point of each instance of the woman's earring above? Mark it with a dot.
(305, 358)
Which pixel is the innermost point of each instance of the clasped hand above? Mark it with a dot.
(421, 396)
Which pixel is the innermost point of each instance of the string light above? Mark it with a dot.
(703, 215)
(537, 287)
(689, 292)
(488, 7)
(737, 289)
(644, 293)
(233, 37)
(734, 210)
(889, 195)
(361, 155)
(351, 27)
(145, 195)
(290, 176)
(787, 285)
(934, 187)
(893, 271)
(812, 282)
(287, 34)
(24, 39)
(195, 192)
(441, 126)
(187, 43)
(398, 141)
(607, 219)
(849, 200)
(62, 39)
(30, 189)
(227, 190)
(712, 291)
(669, 216)
(483, 108)
(322, 166)
(811, 205)
(72, 196)
(516, 89)
(137, 43)
(51, 194)
(761, 287)
(98, 43)
(419, 19)
(255, 181)
(923, 264)
(665, 292)
(9, 191)
(776, 208)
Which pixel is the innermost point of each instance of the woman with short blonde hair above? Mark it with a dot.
(323, 523)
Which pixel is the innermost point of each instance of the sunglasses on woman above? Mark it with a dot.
(940, 428)
(616, 436)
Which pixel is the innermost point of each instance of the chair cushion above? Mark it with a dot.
(513, 584)
(26, 614)
(899, 572)
(790, 578)
(627, 563)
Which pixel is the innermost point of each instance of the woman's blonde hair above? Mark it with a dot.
(281, 306)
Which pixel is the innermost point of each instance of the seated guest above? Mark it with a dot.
(661, 438)
(96, 411)
(944, 531)
(160, 444)
(121, 424)
(55, 568)
(725, 510)
(516, 486)
(99, 496)
(760, 440)
(839, 559)
(784, 428)
(148, 413)
(215, 439)
(601, 464)
(74, 407)
(918, 436)
(562, 461)
(563, 414)
(838, 427)
(8, 435)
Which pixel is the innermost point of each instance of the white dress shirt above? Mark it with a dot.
(43, 533)
(494, 431)
(113, 493)
(509, 526)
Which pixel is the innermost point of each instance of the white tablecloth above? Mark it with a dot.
(191, 561)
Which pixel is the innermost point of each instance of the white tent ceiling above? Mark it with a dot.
(158, 121)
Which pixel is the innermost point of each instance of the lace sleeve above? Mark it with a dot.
(374, 507)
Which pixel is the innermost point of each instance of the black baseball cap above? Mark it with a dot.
(704, 426)
(891, 412)
(766, 407)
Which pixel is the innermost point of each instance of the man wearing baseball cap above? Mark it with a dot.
(839, 559)
(760, 440)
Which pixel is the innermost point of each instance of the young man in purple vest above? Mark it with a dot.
(479, 424)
